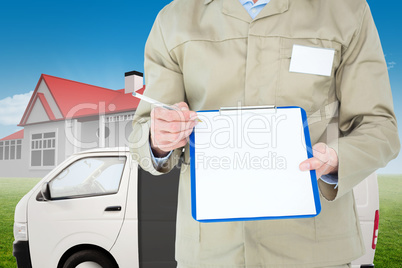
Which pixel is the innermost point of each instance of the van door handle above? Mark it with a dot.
(113, 208)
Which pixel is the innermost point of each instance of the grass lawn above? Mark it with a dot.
(389, 247)
(11, 191)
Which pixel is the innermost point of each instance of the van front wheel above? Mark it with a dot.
(89, 259)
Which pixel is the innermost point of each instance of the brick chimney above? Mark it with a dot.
(133, 81)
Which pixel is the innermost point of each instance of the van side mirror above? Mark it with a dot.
(44, 194)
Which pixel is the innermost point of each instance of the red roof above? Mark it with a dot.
(15, 136)
(75, 99)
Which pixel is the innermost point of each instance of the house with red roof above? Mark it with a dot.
(64, 117)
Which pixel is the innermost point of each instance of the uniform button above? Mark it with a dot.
(253, 10)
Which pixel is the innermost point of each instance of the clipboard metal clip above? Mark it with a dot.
(248, 108)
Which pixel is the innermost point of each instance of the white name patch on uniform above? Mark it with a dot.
(312, 60)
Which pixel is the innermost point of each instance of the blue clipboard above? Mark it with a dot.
(232, 180)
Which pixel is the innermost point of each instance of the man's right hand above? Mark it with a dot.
(170, 129)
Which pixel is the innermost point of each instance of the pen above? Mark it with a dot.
(155, 102)
(152, 101)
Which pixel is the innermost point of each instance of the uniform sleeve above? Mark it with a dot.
(164, 82)
(368, 130)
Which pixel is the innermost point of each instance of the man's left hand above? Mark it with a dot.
(324, 160)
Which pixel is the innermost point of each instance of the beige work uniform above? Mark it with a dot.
(211, 54)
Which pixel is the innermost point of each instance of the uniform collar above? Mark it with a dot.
(272, 8)
(231, 8)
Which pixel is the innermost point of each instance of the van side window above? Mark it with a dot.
(90, 176)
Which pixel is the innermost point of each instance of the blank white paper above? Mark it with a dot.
(247, 165)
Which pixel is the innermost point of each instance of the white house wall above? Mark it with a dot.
(52, 103)
(22, 167)
(14, 168)
(119, 129)
(71, 136)
(38, 113)
(57, 127)
(120, 126)
(128, 128)
(72, 130)
(88, 138)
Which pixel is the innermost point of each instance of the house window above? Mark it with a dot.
(19, 148)
(43, 149)
(1, 149)
(10, 150)
(7, 150)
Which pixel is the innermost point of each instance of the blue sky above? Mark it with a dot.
(95, 42)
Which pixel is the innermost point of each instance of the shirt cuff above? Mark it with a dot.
(331, 179)
(159, 161)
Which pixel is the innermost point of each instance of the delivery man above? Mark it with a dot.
(207, 54)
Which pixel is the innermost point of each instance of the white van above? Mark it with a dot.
(98, 209)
